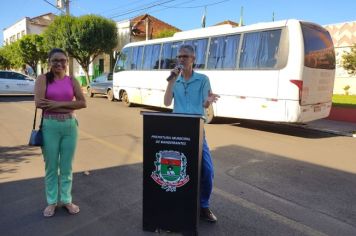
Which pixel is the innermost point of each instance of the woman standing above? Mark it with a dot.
(58, 95)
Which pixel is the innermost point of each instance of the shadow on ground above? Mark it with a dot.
(18, 98)
(111, 199)
(15, 154)
(296, 130)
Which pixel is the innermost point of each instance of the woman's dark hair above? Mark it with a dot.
(50, 75)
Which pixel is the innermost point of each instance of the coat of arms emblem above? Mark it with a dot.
(170, 170)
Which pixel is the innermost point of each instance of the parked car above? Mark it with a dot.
(12, 82)
(101, 85)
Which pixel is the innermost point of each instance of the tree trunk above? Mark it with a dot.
(87, 79)
(34, 68)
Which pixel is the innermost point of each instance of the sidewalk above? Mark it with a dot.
(335, 127)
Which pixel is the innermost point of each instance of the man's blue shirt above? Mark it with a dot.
(189, 96)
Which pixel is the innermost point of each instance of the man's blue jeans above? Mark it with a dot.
(207, 176)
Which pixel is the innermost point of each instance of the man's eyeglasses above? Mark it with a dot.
(183, 56)
(56, 61)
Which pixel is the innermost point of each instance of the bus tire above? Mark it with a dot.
(110, 95)
(125, 99)
(209, 114)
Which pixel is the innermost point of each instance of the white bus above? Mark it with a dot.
(277, 71)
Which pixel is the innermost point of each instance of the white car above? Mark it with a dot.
(12, 82)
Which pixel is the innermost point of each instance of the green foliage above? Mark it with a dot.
(11, 53)
(4, 61)
(32, 50)
(166, 33)
(84, 38)
(59, 33)
(349, 61)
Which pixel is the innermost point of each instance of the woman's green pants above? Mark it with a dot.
(59, 144)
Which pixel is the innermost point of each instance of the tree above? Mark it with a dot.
(349, 61)
(4, 62)
(32, 50)
(11, 53)
(59, 33)
(84, 38)
(166, 33)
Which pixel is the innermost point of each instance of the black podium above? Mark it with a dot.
(172, 150)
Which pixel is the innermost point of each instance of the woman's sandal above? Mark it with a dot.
(50, 210)
(71, 208)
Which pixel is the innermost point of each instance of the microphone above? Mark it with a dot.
(178, 67)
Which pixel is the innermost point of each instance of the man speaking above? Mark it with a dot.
(192, 93)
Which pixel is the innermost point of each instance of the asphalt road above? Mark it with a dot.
(270, 179)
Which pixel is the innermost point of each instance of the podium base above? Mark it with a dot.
(158, 230)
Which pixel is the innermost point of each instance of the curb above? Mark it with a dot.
(326, 130)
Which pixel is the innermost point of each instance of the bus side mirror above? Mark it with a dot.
(118, 68)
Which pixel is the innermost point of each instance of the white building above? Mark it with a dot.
(27, 25)
(343, 36)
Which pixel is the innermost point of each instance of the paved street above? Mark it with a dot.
(270, 179)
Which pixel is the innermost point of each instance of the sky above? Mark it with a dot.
(187, 14)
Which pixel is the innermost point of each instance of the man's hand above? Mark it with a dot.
(212, 97)
(174, 73)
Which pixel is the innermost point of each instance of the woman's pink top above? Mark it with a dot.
(60, 90)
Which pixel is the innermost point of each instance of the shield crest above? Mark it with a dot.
(170, 170)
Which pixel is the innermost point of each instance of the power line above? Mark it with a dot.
(54, 6)
(175, 6)
(121, 6)
(136, 10)
(205, 5)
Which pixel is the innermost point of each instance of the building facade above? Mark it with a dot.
(27, 25)
(344, 37)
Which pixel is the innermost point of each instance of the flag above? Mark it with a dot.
(203, 19)
(241, 23)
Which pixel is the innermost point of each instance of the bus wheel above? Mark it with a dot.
(110, 95)
(89, 92)
(125, 99)
(209, 114)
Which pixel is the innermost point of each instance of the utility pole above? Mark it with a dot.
(147, 21)
(66, 5)
(61, 5)
(70, 59)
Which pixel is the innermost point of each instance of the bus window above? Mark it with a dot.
(151, 57)
(223, 52)
(318, 47)
(123, 62)
(136, 59)
(169, 54)
(199, 46)
(260, 50)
